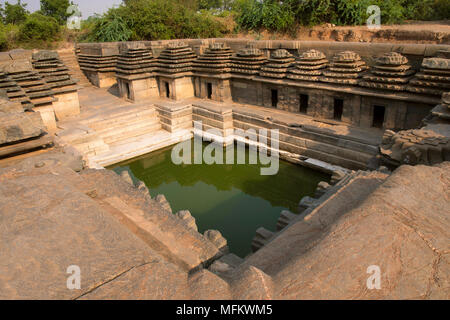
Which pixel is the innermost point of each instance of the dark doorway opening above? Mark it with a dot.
(127, 87)
(167, 89)
(209, 85)
(274, 98)
(304, 101)
(378, 116)
(338, 109)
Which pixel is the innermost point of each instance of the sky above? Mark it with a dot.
(87, 7)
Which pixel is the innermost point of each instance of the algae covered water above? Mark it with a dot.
(234, 199)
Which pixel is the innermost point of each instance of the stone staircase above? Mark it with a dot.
(102, 132)
(69, 59)
(356, 183)
(120, 124)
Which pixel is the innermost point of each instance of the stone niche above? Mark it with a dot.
(213, 88)
(137, 89)
(212, 73)
(175, 71)
(135, 72)
(318, 103)
(246, 91)
(175, 88)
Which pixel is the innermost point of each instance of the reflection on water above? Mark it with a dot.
(234, 199)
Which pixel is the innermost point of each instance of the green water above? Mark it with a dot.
(234, 199)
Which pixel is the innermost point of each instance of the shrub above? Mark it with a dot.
(392, 11)
(110, 27)
(269, 14)
(205, 25)
(12, 35)
(160, 19)
(3, 39)
(351, 12)
(344, 12)
(38, 27)
(441, 10)
(312, 12)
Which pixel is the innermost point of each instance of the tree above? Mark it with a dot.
(111, 27)
(56, 9)
(38, 27)
(209, 4)
(3, 39)
(15, 13)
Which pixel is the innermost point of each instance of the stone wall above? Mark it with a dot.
(361, 106)
(298, 139)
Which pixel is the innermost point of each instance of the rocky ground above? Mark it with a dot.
(128, 245)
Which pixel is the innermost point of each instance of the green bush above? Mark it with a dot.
(441, 10)
(202, 25)
(392, 11)
(3, 39)
(38, 27)
(153, 20)
(110, 27)
(351, 12)
(344, 12)
(312, 12)
(269, 14)
(12, 33)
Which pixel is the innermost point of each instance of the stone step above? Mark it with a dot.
(139, 145)
(88, 143)
(261, 238)
(286, 217)
(71, 62)
(125, 122)
(337, 201)
(123, 119)
(92, 148)
(137, 126)
(129, 132)
(118, 109)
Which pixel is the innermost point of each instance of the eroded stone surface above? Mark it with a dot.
(17, 125)
(396, 227)
(278, 64)
(216, 59)
(346, 68)
(433, 78)
(248, 61)
(309, 67)
(391, 72)
(58, 226)
(428, 145)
